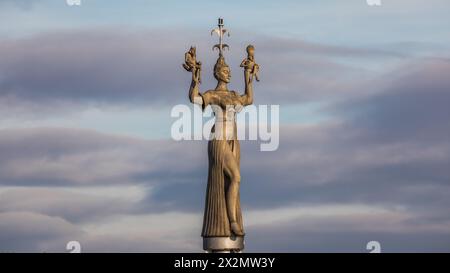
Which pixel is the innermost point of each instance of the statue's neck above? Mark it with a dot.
(221, 86)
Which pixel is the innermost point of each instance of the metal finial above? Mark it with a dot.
(220, 31)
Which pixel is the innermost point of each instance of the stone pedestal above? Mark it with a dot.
(232, 244)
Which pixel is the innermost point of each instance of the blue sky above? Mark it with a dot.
(85, 100)
(350, 22)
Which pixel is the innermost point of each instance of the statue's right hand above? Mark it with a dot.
(195, 78)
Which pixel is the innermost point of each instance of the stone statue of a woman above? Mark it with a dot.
(223, 229)
(222, 223)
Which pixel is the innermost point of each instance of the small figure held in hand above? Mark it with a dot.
(251, 68)
(191, 64)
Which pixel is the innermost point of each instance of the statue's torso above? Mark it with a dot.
(225, 105)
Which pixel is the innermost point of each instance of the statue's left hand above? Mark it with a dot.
(195, 76)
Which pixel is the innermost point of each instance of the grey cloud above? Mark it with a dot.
(347, 231)
(89, 65)
(414, 104)
(63, 203)
(33, 232)
(324, 167)
(289, 239)
(389, 147)
(282, 45)
(82, 157)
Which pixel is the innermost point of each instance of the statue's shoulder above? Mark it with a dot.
(209, 93)
(221, 94)
(209, 97)
(234, 93)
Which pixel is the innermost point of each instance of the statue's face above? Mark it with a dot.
(224, 74)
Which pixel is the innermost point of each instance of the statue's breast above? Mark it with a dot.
(227, 99)
(227, 114)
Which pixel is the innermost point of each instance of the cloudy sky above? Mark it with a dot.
(85, 146)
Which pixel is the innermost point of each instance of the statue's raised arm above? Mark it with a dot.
(251, 69)
(192, 65)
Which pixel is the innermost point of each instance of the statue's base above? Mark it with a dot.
(223, 244)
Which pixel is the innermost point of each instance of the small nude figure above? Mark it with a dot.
(251, 68)
(191, 64)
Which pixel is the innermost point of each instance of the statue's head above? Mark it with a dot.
(222, 71)
(250, 50)
(192, 50)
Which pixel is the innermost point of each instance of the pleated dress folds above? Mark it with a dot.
(215, 221)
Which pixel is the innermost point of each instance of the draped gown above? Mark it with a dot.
(225, 104)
